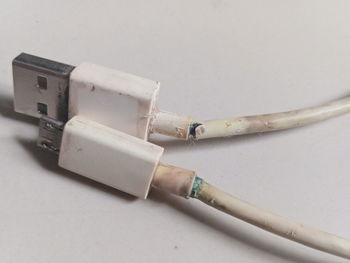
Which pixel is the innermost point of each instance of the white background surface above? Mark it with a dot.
(214, 59)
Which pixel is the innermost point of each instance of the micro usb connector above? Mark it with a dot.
(50, 134)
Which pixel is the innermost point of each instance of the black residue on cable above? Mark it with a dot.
(193, 127)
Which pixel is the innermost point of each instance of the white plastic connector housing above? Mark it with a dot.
(116, 99)
(109, 156)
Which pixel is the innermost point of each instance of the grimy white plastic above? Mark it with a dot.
(116, 99)
(109, 156)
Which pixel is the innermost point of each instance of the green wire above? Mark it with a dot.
(197, 187)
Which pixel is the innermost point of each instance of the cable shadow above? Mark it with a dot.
(7, 111)
(49, 162)
(228, 229)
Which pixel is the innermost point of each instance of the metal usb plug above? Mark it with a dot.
(41, 87)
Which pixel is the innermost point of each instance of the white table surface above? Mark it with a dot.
(214, 59)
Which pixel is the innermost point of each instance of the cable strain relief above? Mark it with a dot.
(171, 124)
(174, 180)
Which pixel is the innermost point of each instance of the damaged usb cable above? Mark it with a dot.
(199, 130)
(97, 120)
(134, 166)
(129, 103)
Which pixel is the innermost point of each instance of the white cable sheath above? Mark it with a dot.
(270, 122)
(278, 225)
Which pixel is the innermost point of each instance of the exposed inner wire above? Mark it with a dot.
(192, 129)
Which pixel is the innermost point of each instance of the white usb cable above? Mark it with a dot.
(133, 165)
(177, 126)
(256, 216)
(98, 120)
(129, 103)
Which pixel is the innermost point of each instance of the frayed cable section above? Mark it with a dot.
(197, 187)
(192, 130)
